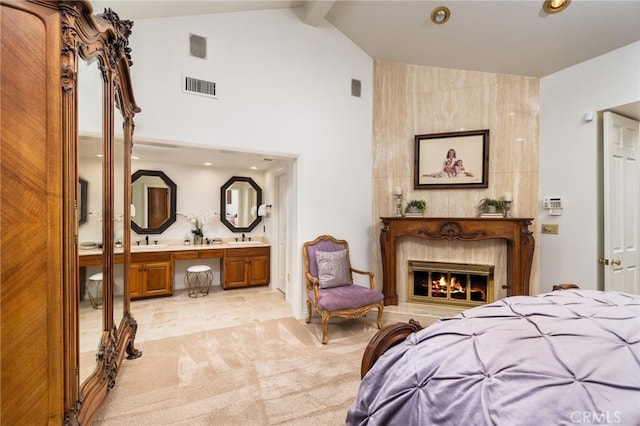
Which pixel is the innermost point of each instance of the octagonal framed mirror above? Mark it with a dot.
(153, 196)
(239, 200)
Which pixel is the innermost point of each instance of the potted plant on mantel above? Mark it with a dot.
(415, 208)
(491, 207)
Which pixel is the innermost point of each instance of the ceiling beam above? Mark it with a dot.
(315, 11)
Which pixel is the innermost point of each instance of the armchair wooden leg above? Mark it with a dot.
(309, 309)
(325, 329)
(379, 321)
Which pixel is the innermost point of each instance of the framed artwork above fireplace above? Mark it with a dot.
(452, 160)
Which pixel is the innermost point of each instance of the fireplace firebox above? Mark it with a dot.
(450, 283)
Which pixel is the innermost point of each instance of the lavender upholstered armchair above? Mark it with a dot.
(329, 281)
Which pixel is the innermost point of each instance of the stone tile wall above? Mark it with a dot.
(413, 100)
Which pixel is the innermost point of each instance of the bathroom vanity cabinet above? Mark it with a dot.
(246, 267)
(152, 273)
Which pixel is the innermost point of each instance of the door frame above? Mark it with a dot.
(280, 210)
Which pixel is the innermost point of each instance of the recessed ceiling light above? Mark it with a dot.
(440, 15)
(207, 163)
(555, 6)
(253, 168)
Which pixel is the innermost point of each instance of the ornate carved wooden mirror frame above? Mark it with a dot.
(104, 38)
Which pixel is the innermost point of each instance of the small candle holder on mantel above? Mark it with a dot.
(508, 200)
(397, 191)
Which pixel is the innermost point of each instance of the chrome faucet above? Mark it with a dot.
(242, 237)
(146, 239)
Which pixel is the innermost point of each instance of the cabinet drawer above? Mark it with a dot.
(198, 254)
(247, 252)
(151, 257)
(211, 254)
(185, 255)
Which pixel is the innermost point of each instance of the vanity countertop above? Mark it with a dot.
(177, 247)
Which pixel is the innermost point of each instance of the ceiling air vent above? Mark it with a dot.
(199, 87)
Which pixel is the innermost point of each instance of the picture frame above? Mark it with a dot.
(453, 160)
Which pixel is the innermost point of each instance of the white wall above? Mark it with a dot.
(284, 88)
(570, 160)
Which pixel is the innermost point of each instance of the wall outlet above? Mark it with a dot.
(549, 229)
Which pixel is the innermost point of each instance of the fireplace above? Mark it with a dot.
(514, 232)
(450, 283)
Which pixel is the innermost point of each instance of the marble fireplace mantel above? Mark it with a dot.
(514, 231)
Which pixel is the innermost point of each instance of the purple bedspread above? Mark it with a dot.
(568, 357)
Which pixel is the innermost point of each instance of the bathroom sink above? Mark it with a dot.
(150, 247)
(244, 243)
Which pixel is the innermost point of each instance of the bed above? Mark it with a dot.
(561, 358)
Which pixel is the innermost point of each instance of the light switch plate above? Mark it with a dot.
(549, 229)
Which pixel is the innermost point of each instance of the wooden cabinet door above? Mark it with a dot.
(258, 270)
(244, 267)
(235, 274)
(158, 279)
(150, 279)
(136, 278)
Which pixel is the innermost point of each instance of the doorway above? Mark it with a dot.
(158, 202)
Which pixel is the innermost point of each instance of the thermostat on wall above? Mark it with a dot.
(554, 205)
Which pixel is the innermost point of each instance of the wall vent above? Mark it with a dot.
(199, 87)
(356, 87)
(197, 46)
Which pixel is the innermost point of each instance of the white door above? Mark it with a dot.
(621, 259)
(281, 232)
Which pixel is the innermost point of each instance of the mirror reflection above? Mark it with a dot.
(239, 200)
(90, 167)
(82, 200)
(120, 182)
(153, 196)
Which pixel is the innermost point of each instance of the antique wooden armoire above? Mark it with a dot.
(42, 44)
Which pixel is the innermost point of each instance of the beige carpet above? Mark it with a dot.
(271, 372)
